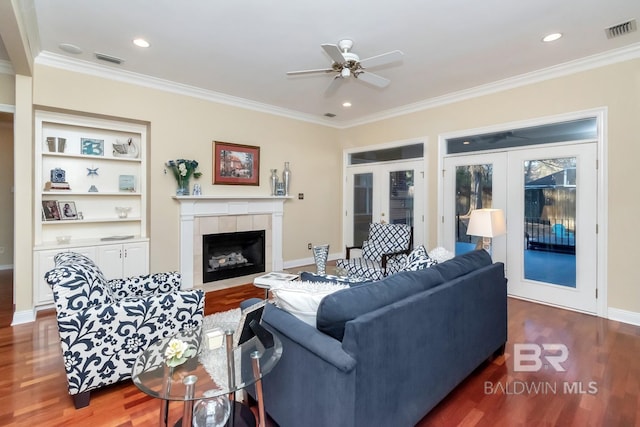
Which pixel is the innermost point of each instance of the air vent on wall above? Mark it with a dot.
(109, 58)
(621, 29)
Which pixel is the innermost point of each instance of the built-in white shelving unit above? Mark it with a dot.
(100, 179)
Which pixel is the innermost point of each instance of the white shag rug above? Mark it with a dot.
(215, 361)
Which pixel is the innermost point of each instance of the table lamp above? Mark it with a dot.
(486, 223)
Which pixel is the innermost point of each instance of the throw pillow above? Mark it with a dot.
(440, 254)
(418, 259)
(303, 298)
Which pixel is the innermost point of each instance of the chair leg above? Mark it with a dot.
(81, 400)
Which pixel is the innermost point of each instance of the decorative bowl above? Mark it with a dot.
(123, 212)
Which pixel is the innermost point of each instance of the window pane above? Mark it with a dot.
(474, 190)
(401, 197)
(413, 151)
(555, 132)
(362, 206)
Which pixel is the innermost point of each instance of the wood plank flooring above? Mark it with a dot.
(602, 373)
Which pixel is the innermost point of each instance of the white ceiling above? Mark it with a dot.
(243, 48)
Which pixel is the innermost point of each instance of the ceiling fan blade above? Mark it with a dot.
(385, 58)
(373, 79)
(336, 82)
(334, 52)
(319, 70)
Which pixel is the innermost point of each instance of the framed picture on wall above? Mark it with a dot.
(236, 164)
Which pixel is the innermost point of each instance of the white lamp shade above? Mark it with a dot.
(487, 223)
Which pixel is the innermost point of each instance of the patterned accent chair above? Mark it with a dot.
(384, 252)
(104, 325)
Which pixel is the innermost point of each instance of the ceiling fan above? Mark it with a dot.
(347, 64)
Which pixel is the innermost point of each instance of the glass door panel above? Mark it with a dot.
(472, 182)
(550, 220)
(362, 206)
(474, 190)
(551, 240)
(401, 193)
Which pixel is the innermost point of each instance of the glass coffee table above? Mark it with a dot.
(208, 373)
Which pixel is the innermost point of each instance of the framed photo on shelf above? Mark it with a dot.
(50, 211)
(92, 146)
(67, 210)
(236, 164)
(127, 183)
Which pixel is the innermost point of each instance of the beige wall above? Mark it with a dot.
(184, 127)
(7, 89)
(616, 87)
(6, 193)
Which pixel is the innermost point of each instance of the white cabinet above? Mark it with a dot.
(102, 164)
(43, 262)
(125, 260)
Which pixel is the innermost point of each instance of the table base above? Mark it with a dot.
(241, 416)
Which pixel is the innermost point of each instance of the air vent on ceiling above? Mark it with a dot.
(329, 115)
(109, 58)
(621, 29)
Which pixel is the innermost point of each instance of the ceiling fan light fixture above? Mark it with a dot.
(345, 72)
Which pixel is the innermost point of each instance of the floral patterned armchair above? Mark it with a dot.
(104, 325)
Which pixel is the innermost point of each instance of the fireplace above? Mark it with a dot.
(227, 255)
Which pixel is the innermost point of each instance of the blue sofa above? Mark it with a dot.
(385, 353)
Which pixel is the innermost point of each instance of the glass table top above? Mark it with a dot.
(207, 370)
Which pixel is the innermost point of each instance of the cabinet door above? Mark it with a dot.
(44, 262)
(135, 259)
(110, 261)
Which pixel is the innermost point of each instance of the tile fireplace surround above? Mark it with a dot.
(200, 215)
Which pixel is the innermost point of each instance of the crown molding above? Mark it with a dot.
(583, 64)
(124, 76)
(6, 67)
(590, 62)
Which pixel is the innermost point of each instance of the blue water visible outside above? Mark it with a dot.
(541, 266)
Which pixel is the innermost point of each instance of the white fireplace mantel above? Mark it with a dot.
(212, 206)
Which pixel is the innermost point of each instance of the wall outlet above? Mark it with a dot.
(2, 249)
(309, 246)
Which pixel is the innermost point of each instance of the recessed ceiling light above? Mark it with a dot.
(551, 37)
(346, 104)
(466, 143)
(70, 48)
(141, 43)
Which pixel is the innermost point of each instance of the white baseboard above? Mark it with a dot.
(6, 267)
(25, 316)
(308, 261)
(625, 316)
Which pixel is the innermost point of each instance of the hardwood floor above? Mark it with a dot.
(601, 385)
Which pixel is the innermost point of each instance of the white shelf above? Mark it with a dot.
(91, 158)
(90, 221)
(90, 194)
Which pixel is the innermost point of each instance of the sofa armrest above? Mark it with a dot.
(321, 345)
(155, 284)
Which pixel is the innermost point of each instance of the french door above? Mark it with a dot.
(549, 196)
(389, 193)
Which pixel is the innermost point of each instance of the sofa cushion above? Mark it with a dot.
(340, 307)
(302, 298)
(463, 264)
